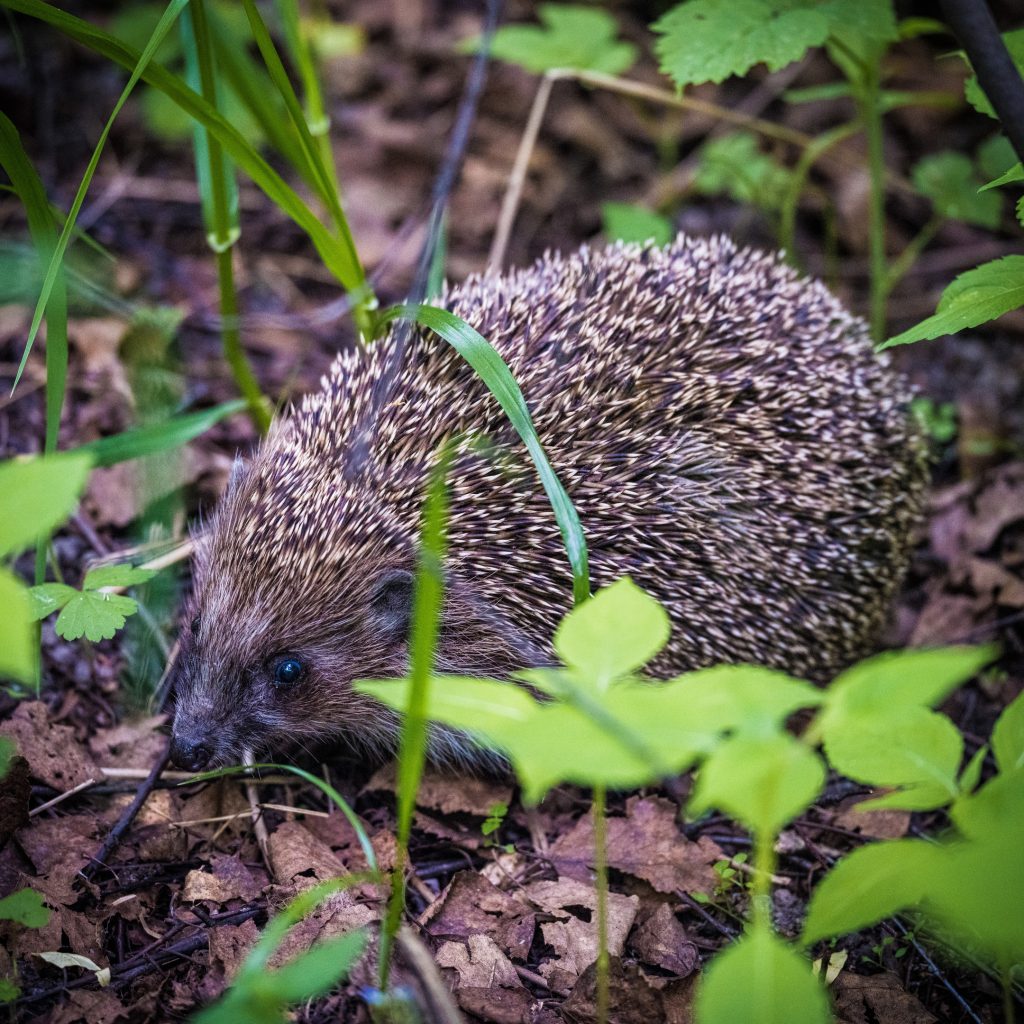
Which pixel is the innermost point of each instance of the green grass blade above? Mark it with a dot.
(241, 151)
(156, 437)
(494, 372)
(167, 19)
(43, 230)
(325, 186)
(428, 598)
(302, 53)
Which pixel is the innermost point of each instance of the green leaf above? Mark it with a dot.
(156, 437)
(974, 893)
(734, 165)
(923, 797)
(900, 679)
(36, 495)
(94, 615)
(1008, 736)
(762, 782)
(42, 225)
(616, 632)
(759, 977)
(972, 89)
(7, 751)
(8, 991)
(48, 598)
(573, 36)
(949, 181)
(709, 40)
(174, 8)
(995, 809)
(316, 971)
(974, 298)
(17, 639)
(905, 747)
(26, 907)
(116, 576)
(494, 372)
(747, 698)
(335, 255)
(1008, 177)
(869, 884)
(627, 222)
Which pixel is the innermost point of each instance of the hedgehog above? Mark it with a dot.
(721, 423)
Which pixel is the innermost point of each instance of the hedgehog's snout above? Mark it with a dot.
(191, 752)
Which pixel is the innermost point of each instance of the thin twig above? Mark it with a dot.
(259, 825)
(61, 797)
(124, 822)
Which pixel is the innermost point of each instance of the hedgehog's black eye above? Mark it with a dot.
(288, 671)
(194, 626)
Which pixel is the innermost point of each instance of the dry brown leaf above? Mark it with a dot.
(633, 1000)
(661, 940)
(53, 754)
(883, 824)
(133, 743)
(295, 851)
(573, 933)
(470, 905)
(999, 502)
(646, 843)
(479, 963)
(880, 997)
(447, 792)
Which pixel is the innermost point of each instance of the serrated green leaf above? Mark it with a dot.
(870, 884)
(36, 495)
(734, 165)
(17, 658)
(1014, 41)
(47, 598)
(572, 36)
(974, 298)
(762, 782)
(116, 576)
(908, 746)
(997, 160)
(627, 222)
(1008, 736)
(949, 181)
(616, 632)
(759, 977)
(26, 907)
(709, 40)
(93, 615)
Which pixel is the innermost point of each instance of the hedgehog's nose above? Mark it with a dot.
(190, 754)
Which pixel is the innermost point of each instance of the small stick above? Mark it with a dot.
(61, 797)
(126, 819)
(435, 991)
(259, 826)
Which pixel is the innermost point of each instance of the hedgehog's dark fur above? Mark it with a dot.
(722, 425)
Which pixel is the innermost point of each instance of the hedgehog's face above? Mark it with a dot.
(270, 676)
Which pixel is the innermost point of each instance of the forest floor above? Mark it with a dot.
(509, 915)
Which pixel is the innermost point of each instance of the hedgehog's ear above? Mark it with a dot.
(391, 601)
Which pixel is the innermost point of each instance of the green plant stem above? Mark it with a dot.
(869, 101)
(223, 232)
(231, 338)
(761, 889)
(791, 201)
(428, 598)
(601, 871)
(909, 256)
